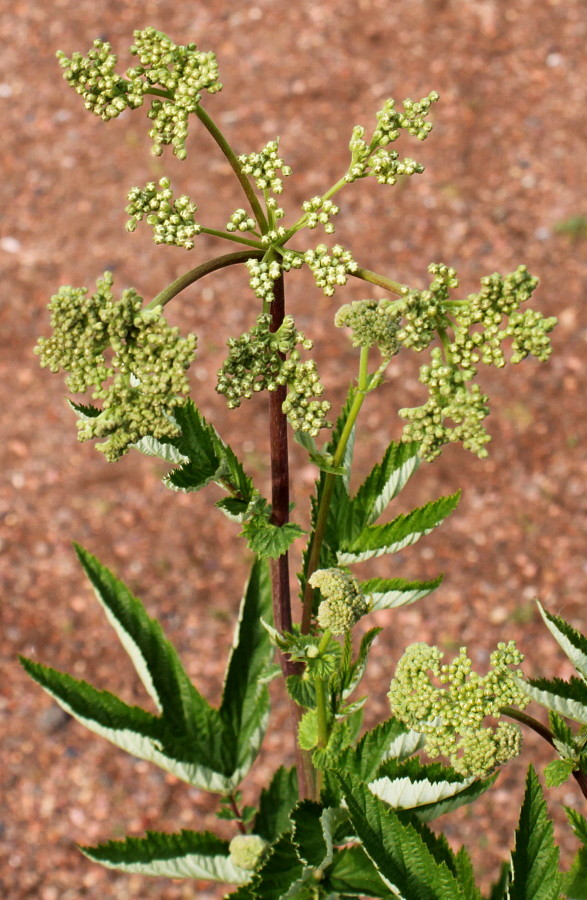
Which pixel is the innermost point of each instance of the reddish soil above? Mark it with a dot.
(504, 168)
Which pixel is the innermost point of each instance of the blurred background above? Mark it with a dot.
(504, 179)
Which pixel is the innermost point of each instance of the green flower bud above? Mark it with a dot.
(452, 715)
(344, 602)
(247, 851)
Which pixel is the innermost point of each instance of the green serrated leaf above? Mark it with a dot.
(357, 668)
(275, 805)
(302, 691)
(84, 411)
(567, 698)
(365, 759)
(575, 880)
(401, 857)
(267, 540)
(308, 730)
(130, 728)
(308, 835)
(405, 530)
(150, 446)
(408, 785)
(499, 888)
(557, 772)
(386, 480)
(153, 656)
(389, 593)
(186, 854)
(245, 698)
(578, 823)
(569, 640)
(466, 875)
(282, 875)
(535, 874)
(353, 874)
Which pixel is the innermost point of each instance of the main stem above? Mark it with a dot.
(280, 566)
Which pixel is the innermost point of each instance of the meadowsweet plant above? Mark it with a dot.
(349, 818)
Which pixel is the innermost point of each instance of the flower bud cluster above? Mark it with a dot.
(105, 93)
(344, 603)
(241, 221)
(247, 850)
(371, 159)
(372, 324)
(412, 118)
(256, 363)
(423, 311)
(182, 72)
(319, 212)
(330, 269)
(452, 717)
(264, 273)
(500, 298)
(386, 166)
(172, 220)
(264, 167)
(262, 276)
(147, 370)
(451, 400)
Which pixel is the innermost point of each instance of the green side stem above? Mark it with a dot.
(380, 280)
(231, 237)
(211, 265)
(232, 158)
(530, 722)
(326, 498)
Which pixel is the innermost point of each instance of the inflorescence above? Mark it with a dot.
(176, 75)
(330, 269)
(172, 220)
(263, 360)
(452, 717)
(344, 603)
(265, 166)
(372, 158)
(146, 374)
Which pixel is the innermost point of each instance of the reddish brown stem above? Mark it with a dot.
(279, 516)
(545, 733)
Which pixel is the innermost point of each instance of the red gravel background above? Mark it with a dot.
(504, 166)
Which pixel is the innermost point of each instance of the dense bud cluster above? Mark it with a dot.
(182, 72)
(330, 269)
(386, 166)
(344, 603)
(500, 298)
(423, 311)
(247, 850)
(262, 276)
(264, 273)
(450, 401)
(454, 411)
(319, 212)
(264, 167)
(172, 220)
(371, 158)
(241, 221)
(452, 717)
(256, 363)
(372, 324)
(147, 373)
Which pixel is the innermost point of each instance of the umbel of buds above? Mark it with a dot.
(452, 716)
(263, 360)
(144, 381)
(344, 603)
